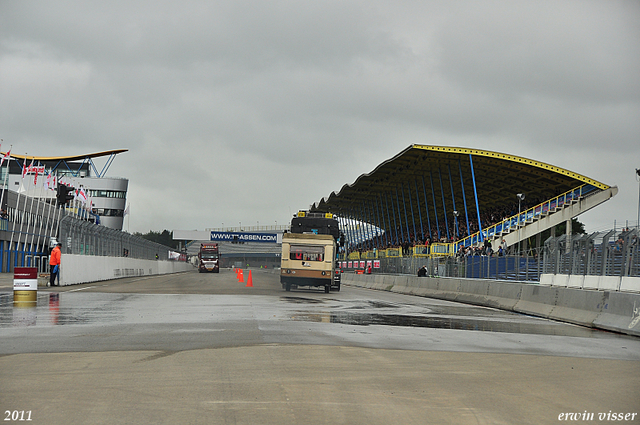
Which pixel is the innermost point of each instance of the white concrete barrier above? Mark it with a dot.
(577, 306)
(503, 295)
(630, 284)
(76, 269)
(575, 281)
(591, 282)
(546, 279)
(561, 280)
(620, 312)
(537, 300)
(609, 283)
(611, 310)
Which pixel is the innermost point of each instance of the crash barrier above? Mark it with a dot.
(601, 309)
(603, 283)
(76, 269)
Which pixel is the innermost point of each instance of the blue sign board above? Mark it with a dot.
(244, 237)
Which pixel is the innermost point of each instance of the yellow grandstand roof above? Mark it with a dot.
(68, 158)
(423, 172)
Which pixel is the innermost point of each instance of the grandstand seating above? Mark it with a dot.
(529, 216)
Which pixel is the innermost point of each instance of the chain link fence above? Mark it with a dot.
(612, 253)
(85, 238)
(523, 268)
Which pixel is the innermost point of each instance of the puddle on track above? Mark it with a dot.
(543, 327)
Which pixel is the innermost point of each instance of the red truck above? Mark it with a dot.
(208, 258)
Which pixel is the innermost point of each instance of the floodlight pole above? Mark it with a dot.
(638, 222)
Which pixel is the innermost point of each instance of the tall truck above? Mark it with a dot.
(209, 258)
(309, 252)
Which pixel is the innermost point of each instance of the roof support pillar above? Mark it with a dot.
(419, 212)
(381, 220)
(367, 214)
(360, 228)
(426, 206)
(406, 219)
(453, 200)
(413, 218)
(444, 206)
(464, 198)
(395, 223)
(435, 208)
(399, 216)
(475, 193)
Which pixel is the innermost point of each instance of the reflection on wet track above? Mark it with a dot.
(438, 317)
(142, 314)
(104, 309)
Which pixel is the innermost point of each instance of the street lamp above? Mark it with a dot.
(520, 197)
(455, 222)
(638, 222)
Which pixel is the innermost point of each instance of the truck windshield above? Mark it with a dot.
(209, 256)
(306, 253)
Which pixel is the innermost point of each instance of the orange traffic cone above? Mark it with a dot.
(249, 281)
(240, 276)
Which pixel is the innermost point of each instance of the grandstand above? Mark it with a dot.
(441, 201)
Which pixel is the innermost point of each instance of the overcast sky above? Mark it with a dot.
(247, 111)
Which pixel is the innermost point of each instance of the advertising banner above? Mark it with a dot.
(245, 237)
(25, 285)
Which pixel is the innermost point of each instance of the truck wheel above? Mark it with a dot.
(327, 288)
(287, 287)
(337, 288)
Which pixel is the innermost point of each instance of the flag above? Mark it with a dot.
(35, 179)
(126, 211)
(51, 181)
(24, 167)
(81, 195)
(6, 156)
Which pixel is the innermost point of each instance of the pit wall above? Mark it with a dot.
(76, 269)
(602, 309)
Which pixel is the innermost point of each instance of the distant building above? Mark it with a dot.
(108, 195)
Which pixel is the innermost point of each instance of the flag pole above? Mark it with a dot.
(16, 216)
(57, 221)
(51, 207)
(40, 201)
(4, 185)
(26, 235)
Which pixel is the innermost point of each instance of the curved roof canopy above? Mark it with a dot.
(68, 158)
(442, 175)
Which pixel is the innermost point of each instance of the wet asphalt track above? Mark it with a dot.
(284, 352)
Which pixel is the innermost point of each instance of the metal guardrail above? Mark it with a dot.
(84, 238)
(479, 267)
(612, 253)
